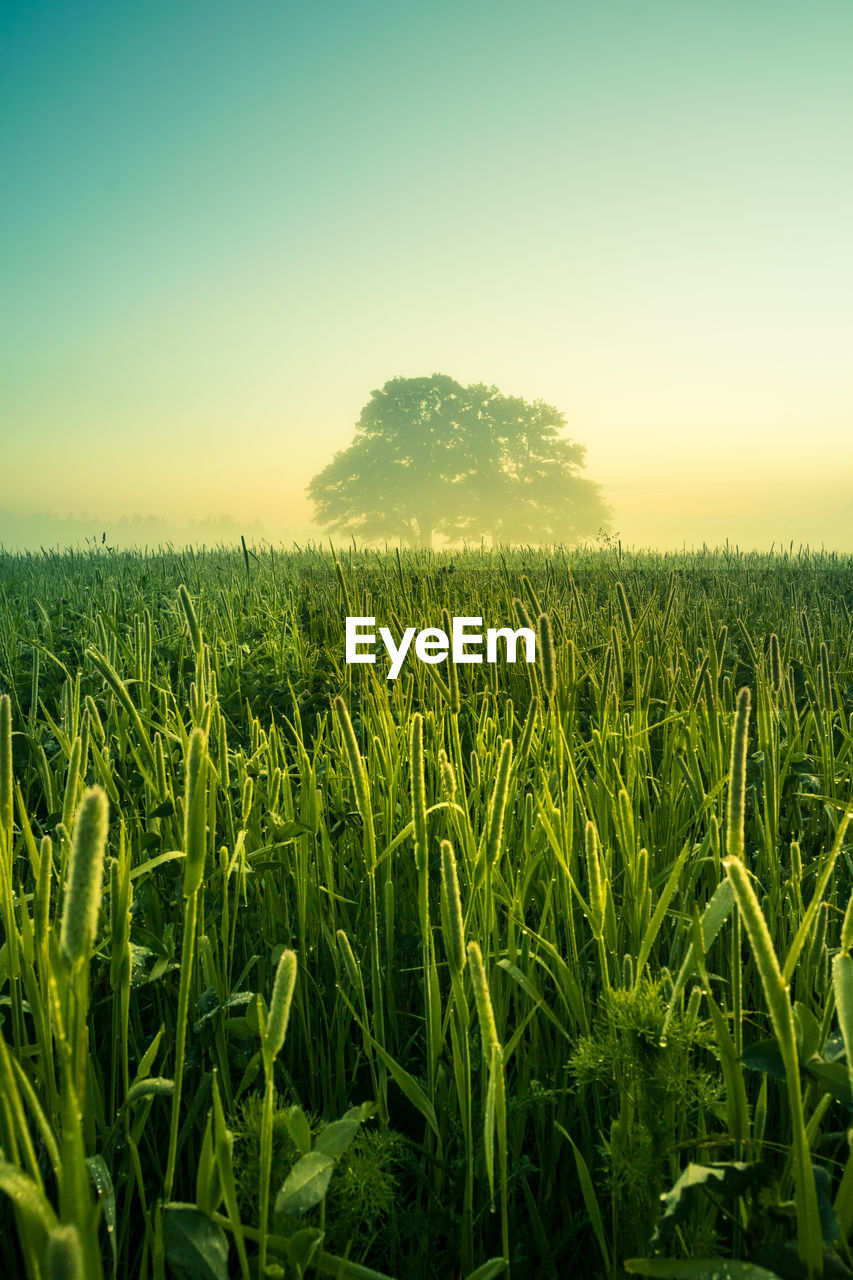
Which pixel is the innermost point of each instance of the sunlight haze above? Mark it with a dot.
(222, 227)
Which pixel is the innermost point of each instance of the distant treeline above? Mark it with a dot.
(33, 530)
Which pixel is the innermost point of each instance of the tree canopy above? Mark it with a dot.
(431, 457)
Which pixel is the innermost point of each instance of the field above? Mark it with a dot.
(309, 972)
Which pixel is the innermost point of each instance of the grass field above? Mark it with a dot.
(308, 972)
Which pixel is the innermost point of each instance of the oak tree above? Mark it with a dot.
(431, 457)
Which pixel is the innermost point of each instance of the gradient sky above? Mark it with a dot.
(221, 226)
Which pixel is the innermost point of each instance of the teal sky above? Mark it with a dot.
(221, 226)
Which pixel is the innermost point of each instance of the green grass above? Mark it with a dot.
(453, 975)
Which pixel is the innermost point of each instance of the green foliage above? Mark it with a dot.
(352, 1172)
(729, 1180)
(653, 1094)
(564, 930)
(197, 1249)
(286, 1150)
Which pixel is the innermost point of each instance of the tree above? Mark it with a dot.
(433, 457)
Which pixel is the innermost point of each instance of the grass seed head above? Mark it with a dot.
(521, 613)
(349, 959)
(282, 997)
(497, 806)
(548, 656)
(532, 598)
(455, 941)
(5, 771)
(775, 664)
(416, 751)
(448, 777)
(85, 878)
(485, 1012)
(597, 889)
(41, 913)
(195, 813)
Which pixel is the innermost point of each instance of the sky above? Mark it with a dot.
(223, 226)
